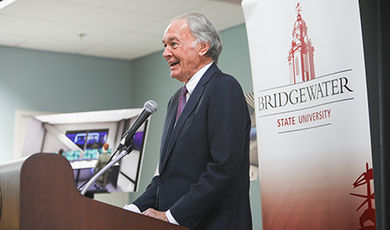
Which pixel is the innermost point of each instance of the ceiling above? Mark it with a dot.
(122, 29)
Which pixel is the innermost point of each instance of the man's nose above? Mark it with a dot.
(166, 52)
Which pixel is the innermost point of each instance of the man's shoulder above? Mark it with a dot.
(225, 80)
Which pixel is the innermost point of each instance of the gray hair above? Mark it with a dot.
(204, 31)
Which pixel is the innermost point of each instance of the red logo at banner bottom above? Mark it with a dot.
(368, 216)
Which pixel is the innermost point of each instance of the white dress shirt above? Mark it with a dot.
(191, 84)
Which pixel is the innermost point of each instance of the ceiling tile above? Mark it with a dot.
(230, 1)
(228, 15)
(155, 28)
(126, 46)
(80, 33)
(23, 26)
(46, 10)
(86, 2)
(12, 39)
(115, 19)
(113, 52)
(133, 40)
(57, 45)
(164, 8)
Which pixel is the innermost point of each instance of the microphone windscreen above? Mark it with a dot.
(150, 106)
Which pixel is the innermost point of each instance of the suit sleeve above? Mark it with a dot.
(148, 198)
(227, 127)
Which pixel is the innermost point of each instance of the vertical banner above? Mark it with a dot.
(311, 114)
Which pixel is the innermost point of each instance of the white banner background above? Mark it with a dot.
(307, 169)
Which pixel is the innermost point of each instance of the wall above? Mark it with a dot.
(151, 80)
(54, 82)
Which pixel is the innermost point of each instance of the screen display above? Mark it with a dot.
(88, 139)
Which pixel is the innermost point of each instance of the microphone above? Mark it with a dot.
(149, 108)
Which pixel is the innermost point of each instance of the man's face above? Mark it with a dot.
(183, 54)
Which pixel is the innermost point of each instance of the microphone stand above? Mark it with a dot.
(124, 152)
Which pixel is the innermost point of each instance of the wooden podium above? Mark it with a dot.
(38, 193)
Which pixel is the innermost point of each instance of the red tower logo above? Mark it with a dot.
(300, 58)
(369, 213)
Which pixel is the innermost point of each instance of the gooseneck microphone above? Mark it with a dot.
(126, 146)
(149, 108)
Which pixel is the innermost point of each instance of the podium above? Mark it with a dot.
(38, 193)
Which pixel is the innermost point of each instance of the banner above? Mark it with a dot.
(311, 114)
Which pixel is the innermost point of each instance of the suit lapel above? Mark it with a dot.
(192, 102)
(169, 124)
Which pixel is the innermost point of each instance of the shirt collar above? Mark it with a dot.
(191, 84)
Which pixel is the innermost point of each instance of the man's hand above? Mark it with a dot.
(155, 214)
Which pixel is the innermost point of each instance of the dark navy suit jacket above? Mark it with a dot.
(204, 158)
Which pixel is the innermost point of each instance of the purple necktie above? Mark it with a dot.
(182, 102)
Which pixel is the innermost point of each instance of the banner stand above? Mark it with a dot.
(376, 36)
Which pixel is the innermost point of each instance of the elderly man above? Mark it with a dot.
(203, 180)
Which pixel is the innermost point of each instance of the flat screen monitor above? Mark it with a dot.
(88, 139)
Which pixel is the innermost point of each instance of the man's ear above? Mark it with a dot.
(204, 47)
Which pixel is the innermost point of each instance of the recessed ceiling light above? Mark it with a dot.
(4, 3)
